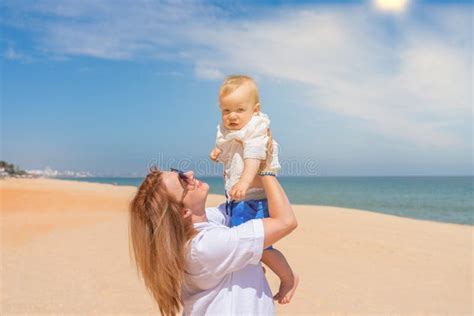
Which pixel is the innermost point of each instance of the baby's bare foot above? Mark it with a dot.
(287, 289)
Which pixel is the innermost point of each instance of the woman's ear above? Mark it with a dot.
(187, 213)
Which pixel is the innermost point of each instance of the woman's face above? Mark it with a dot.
(192, 192)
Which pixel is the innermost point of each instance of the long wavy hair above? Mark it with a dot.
(158, 236)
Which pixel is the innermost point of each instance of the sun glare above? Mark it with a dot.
(391, 5)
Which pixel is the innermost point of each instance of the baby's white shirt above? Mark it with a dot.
(248, 142)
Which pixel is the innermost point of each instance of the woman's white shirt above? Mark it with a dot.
(223, 274)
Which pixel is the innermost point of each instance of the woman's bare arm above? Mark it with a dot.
(282, 219)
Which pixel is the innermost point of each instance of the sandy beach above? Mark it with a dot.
(65, 250)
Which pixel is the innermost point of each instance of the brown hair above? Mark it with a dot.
(159, 235)
(232, 82)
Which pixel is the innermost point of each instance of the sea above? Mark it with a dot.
(440, 199)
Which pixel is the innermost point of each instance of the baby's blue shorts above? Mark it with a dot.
(243, 211)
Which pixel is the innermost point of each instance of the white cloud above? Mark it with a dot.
(403, 87)
(13, 54)
(408, 77)
(208, 72)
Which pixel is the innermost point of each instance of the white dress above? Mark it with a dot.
(248, 142)
(223, 274)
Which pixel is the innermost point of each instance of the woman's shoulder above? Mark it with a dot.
(210, 238)
(217, 223)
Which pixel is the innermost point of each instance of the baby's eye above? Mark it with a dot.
(240, 110)
(225, 111)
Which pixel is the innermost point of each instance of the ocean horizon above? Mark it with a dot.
(447, 199)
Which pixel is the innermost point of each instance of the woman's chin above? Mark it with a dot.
(205, 188)
(204, 194)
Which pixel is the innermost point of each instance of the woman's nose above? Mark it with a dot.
(189, 177)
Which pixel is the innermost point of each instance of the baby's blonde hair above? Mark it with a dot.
(232, 82)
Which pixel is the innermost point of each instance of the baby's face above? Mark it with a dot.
(237, 108)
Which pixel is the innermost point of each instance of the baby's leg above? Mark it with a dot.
(276, 261)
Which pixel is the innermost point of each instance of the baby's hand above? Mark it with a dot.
(238, 190)
(215, 154)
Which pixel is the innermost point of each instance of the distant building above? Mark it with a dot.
(51, 173)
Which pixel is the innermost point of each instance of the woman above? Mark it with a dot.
(188, 256)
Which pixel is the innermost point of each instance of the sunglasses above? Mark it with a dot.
(180, 173)
(183, 179)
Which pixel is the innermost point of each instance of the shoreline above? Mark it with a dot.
(65, 249)
(222, 196)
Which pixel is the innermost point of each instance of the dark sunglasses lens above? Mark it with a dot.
(181, 174)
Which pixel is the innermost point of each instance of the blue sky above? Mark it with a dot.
(351, 87)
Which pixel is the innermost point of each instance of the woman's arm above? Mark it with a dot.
(282, 220)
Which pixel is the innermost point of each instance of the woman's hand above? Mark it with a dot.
(267, 163)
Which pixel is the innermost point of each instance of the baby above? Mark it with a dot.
(241, 145)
